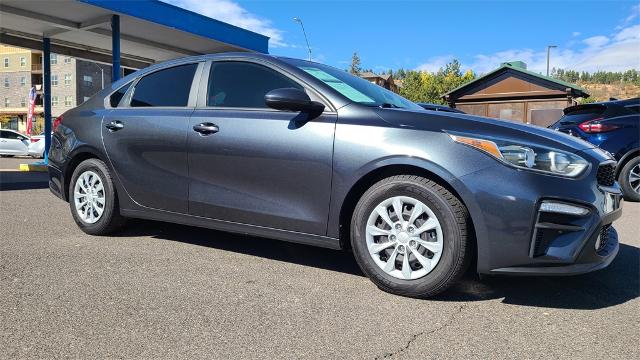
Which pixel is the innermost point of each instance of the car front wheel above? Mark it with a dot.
(409, 236)
(93, 200)
(629, 179)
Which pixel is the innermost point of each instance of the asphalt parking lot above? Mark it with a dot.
(159, 290)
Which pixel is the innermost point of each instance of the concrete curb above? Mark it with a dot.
(37, 167)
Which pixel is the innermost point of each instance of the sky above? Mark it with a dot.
(425, 35)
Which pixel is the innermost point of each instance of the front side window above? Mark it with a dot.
(67, 60)
(54, 59)
(243, 84)
(54, 101)
(23, 61)
(23, 81)
(6, 62)
(88, 80)
(115, 98)
(54, 80)
(67, 79)
(7, 102)
(6, 82)
(168, 87)
(68, 101)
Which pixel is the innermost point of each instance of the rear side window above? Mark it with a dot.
(168, 87)
(115, 98)
(243, 84)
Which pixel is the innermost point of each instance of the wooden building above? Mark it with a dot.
(511, 92)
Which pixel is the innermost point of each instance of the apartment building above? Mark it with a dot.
(73, 81)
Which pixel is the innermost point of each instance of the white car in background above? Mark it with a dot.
(12, 143)
(36, 147)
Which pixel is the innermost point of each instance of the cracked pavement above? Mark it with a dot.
(168, 291)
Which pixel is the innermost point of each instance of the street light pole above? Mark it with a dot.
(299, 21)
(548, 55)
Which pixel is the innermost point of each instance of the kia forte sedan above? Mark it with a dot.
(299, 151)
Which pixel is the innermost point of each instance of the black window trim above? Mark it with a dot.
(125, 103)
(203, 89)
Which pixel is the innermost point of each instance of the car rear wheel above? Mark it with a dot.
(93, 200)
(409, 236)
(629, 179)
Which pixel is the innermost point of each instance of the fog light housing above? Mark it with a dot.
(563, 208)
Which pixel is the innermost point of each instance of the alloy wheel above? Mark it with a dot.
(634, 178)
(404, 237)
(89, 197)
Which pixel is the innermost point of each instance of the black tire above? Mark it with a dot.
(111, 220)
(623, 179)
(453, 217)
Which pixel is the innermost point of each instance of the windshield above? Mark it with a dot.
(352, 87)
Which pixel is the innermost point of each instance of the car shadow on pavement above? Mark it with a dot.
(617, 284)
(614, 285)
(23, 180)
(328, 259)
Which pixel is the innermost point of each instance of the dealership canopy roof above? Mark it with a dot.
(150, 30)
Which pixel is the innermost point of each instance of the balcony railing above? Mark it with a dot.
(36, 67)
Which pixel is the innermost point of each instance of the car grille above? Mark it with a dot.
(606, 174)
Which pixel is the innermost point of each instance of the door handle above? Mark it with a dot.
(115, 125)
(206, 128)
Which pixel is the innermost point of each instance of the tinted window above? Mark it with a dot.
(582, 114)
(240, 84)
(169, 87)
(11, 135)
(634, 108)
(115, 98)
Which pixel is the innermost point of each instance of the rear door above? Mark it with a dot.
(261, 166)
(145, 137)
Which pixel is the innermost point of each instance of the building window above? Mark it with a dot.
(23, 61)
(6, 82)
(67, 79)
(54, 80)
(54, 59)
(6, 62)
(68, 101)
(54, 101)
(88, 80)
(7, 102)
(23, 102)
(67, 60)
(23, 81)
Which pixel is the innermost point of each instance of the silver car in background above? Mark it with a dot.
(12, 143)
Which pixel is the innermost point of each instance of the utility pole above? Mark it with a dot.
(548, 55)
(299, 21)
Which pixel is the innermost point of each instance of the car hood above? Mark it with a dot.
(483, 127)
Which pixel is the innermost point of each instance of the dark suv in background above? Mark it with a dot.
(612, 126)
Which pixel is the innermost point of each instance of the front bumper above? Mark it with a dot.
(515, 237)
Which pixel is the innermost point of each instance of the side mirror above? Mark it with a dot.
(291, 99)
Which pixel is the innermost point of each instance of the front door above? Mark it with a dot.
(258, 166)
(146, 138)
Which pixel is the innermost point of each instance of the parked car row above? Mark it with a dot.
(12, 143)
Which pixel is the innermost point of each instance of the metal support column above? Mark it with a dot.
(46, 100)
(115, 47)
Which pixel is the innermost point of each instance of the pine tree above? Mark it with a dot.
(355, 68)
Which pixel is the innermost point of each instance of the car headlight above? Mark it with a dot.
(529, 157)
